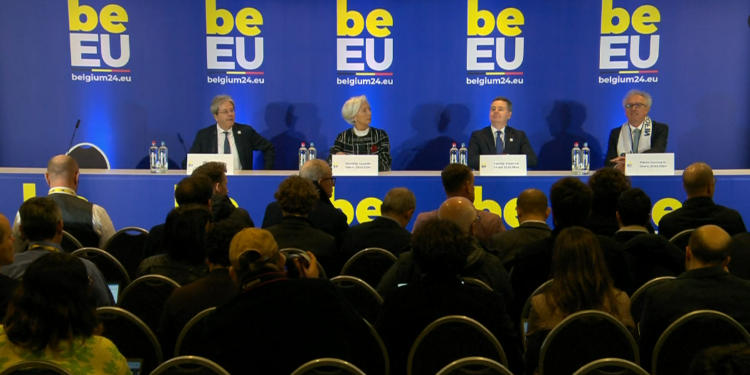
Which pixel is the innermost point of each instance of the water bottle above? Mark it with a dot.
(585, 158)
(463, 155)
(302, 155)
(153, 155)
(312, 153)
(454, 154)
(576, 159)
(163, 158)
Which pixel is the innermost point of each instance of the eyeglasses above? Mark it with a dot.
(226, 111)
(635, 105)
(333, 180)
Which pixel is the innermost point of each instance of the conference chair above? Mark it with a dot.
(36, 368)
(681, 239)
(369, 265)
(611, 366)
(191, 341)
(189, 365)
(89, 156)
(584, 337)
(470, 281)
(291, 250)
(365, 300)
(328, 366)
(110, 268)
(638, 298)
(132, 336)
(145, 297)
(474, 366)
(689, 335)
(126, 245)
(70, 243)
(527, 310)
(449, 339)
(378, 345)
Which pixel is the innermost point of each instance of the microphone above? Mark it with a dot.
(182, 142)
(74, 135)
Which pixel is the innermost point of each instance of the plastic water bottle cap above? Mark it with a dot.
(153, 142)
(303, 144)
(575, 144)
(463, 144)
(585, 144)
(454, 144)
(312, 144)
(162, 143)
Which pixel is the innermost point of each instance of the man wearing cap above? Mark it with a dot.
(277, 321)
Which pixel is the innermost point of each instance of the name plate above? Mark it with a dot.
(354, 165)
(196, 160)
(502, 165)
(649, 165)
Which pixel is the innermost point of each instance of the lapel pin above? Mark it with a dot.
(511, 139)
(239, 132)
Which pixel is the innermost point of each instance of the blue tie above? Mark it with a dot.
(227, 149)
(499, 145)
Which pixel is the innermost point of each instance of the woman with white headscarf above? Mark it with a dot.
(362, 139)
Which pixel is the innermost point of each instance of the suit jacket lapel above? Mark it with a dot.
(238, 141)
(510, 146)
(489, 139)
(214, 140)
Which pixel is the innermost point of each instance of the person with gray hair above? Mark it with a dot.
(229, 137)
(386, 231)
(639, 134)
(361, 139)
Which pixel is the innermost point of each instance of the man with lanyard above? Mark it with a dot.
(43, 227)
(88, 223)
(639, 134)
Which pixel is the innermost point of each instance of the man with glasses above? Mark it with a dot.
(229, 137)
(639, 134)
(699, 209)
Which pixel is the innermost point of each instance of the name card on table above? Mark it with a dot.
(196, 160)
(502, 165)
(354, 165)
(649, 164)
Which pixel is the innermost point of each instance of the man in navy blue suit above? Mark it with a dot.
(499, 138)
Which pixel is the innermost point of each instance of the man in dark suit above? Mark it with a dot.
(639, 135)
(705, 286)
(221, 205)
(229, 137)
(699, 209)
(648, 255)
(324, 215)
(499, 138)
(387, 231)
(532, 212)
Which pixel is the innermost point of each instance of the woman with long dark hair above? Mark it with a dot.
(52, 318)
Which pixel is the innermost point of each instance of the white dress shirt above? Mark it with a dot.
(232, 146)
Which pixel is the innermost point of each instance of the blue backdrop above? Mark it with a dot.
(137, 71)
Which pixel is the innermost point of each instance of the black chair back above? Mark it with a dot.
(369, 265)
(35, 368)
(475, 366)
(611, 366)
(70, 243)
(690, 334)
(476, 283)
(145, 298)
(131, 336)
(361, 296)
(638, 298)
(379, 364)
(189, 365)
(126, 245)
(582, 338)
(526, 311)
(449, 339)
(89, 156)
(328, 366)
(681, 239)
(110, 268)
(192, 341)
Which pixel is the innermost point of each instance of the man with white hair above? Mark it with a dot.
(362, 139)
(639, 134)
(229, 137)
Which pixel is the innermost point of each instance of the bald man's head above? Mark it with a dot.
(398, 201)
(315, 170)
(460, 211)
(709, 245)
(698, 180)
(532, 204)
(62, 170)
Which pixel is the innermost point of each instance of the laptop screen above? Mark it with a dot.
(135, 365)
(114, 288)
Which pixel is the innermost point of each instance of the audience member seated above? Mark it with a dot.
(296, 197)
(458, 181)
(324, 215)
(52, 318)
(276, 324)
(43, 227)
(606, 184)
(221, 206)
(190, 190)
(479, 264)
(580, 281)
(88, 223)
(532, 212)
(213, 290)
(699, 209)
(7, 285)
(722, 360)
(185, 241)
(648, 255)
(571, 204)
(440, 248)
(386, 231)
(739, 250)
(706, 285)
